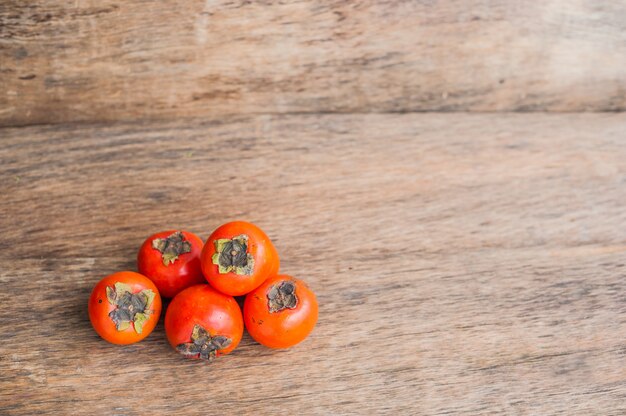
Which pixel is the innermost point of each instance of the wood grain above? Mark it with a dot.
(106, 60)
(463, 263)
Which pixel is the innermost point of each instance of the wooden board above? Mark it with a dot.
(463, 263)
(87, 60)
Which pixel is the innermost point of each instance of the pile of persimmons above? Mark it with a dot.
(203, 319)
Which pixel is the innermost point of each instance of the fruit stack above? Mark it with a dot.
(203, 320)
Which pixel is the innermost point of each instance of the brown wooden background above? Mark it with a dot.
(104, 60)
(464, 263)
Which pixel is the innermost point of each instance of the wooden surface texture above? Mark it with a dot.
(464, 264)
(108, 60)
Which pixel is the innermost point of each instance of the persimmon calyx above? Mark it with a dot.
(282, 296)
(203, 345)
(130, 307)
(231, 255)
(171, 247)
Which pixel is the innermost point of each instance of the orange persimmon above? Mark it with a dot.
(124, 307)
(281, 312)
(238, 257)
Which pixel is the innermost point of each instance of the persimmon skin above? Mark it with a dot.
(171, 279)
(99, 308)
(202, 305)
(266, 260)
(285, 328)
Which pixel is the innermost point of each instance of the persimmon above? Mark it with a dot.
(171, 259)
(203, 323)
(238, 257)
(281, 312)
(124, 307)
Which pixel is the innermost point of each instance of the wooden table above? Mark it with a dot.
(463, 263)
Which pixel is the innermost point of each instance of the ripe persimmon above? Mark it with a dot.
(281, 312)
(238, 257)
(124, 307)
(171, 259)
(203, 323)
